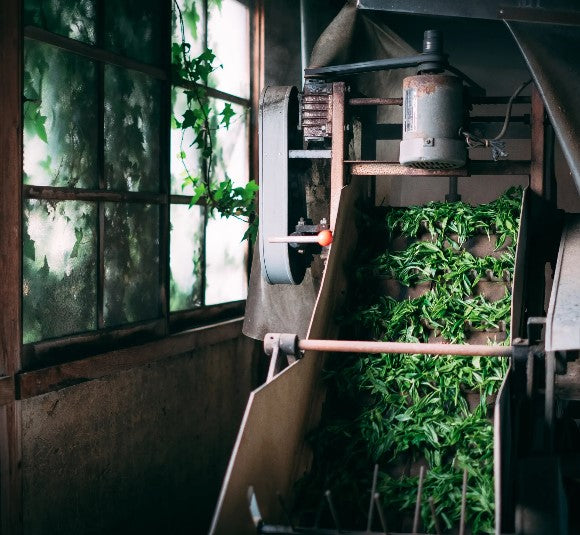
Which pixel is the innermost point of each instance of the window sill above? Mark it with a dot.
(37, 382)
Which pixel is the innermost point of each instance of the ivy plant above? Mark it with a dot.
(204, 119)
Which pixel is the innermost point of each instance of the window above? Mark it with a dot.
(223, 276)
(111, 249)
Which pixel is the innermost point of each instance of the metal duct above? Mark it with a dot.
(551, 52)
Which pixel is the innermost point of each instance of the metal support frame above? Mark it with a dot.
(277, 346)
(337, 162)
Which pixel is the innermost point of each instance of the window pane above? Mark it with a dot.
(132, 113)
(134, 28)
(226, 274)
(131, 286)
(71, 18)
(186, 257)
(228, 36)
(231, 146)
(225, 261)
(60, 118)
(185, 159)
(191, 14)
(59, 269)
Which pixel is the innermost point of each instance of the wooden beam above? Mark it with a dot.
(10, 185)
(37, 382)
(10, 469)
(6, 390)
(10, 260)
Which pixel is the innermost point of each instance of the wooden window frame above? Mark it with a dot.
(82, 345)
(16, 384)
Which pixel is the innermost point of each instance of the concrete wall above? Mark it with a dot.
(143, 451)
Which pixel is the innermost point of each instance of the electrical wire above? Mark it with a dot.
(497, 146)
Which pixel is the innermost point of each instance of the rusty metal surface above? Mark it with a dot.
(551, 53)
(338, 150)
(369, 168)
(476, 167)
(316, 112)
(375, 101)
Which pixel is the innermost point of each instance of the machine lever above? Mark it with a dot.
(363, 346)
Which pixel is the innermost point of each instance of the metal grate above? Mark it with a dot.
(435, 164)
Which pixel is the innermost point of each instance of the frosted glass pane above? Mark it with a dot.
(186, 257)
(60, 118)
(228, 36)
(59, 283)
(71, 18)
(231, 147)
(225, 261)
(191, 13)
(134, 28)
(132, 137)
(131, 290)
(185, 159)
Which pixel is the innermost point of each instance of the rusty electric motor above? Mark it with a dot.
(432, 120)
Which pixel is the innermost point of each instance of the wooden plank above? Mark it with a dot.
(10, 186)
(37, 382)
(270, 449)
(537, 143)
(10, 259)
(6, 390)
(10, 469)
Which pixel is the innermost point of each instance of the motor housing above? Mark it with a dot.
(432, 120)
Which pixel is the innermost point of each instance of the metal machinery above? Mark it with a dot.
(327, 122)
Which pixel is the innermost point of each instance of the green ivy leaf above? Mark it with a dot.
(199, 191)
(227, 113)
(28, 249)
(191, 18)
(39, 127)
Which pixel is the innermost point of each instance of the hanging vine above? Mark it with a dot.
(204, 120)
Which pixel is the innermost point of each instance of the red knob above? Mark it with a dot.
(324, 238)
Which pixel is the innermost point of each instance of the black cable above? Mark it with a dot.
(509, 110)
(497, 146)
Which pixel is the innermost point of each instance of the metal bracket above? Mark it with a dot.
(282, 350)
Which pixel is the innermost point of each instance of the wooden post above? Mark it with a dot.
(10, 259)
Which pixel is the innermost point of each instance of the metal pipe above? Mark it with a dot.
(463, 504)
(417, 515)
(376, 497)
(361, 346)
(373, 491)
(434, 516)
(293, 239)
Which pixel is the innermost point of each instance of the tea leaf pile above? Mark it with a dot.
(406, 411)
